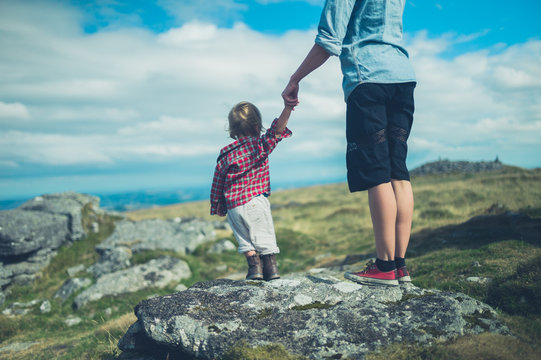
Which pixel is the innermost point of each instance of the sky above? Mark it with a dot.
(115, 96)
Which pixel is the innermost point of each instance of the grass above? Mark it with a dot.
(243, 351)
(321, 226)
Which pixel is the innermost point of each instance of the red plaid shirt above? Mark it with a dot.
(242, 171)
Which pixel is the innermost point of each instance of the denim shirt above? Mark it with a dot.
(367, 36)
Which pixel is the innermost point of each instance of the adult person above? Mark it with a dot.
(378, 84)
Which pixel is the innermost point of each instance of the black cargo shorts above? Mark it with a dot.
(378, 123)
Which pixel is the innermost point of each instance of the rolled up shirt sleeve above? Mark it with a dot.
(333, 25)
(269, 140)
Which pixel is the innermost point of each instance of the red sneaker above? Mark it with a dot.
(403, 275)
(371, 275)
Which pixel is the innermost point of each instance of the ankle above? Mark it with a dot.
(399, 262)
(385, 266)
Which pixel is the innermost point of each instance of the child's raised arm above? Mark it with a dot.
(282, 120)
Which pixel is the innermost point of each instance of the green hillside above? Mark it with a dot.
(466, 226)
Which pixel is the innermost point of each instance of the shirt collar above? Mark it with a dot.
(234, 145)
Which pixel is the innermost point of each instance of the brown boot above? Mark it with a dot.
(270, 268)
(255, 269)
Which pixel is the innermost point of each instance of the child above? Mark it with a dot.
(241, 186)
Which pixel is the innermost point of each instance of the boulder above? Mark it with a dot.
(155, 273)
(222, 245)
(111, 260)
(24, 232)
(316, 314)
(182, 236)
(31, 234)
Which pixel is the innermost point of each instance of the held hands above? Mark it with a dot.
(290, 94)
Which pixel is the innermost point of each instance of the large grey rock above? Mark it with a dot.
(222, 245)
(317, 314)
(23, 232)
(155, 273)
(156, 234)
(46, 221)
(31, 234)
(111, 260)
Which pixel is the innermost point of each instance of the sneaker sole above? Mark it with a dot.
(404, 279)
(370, 281)
(254, 277)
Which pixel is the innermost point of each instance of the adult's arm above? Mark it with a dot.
(332, 29)
(315, 58)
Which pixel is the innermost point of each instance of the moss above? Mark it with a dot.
(432, 331)
(412, 352)
(264, 313)
(475, 319)
(200, 309)
(242, 351)
(315, 305)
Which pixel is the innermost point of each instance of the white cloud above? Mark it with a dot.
(53, 149)
(13, 111)
(473, 105)
(193, 32)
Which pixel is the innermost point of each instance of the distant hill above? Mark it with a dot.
(448, 166)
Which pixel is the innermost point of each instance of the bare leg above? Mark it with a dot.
(383, 209)
(404, 202)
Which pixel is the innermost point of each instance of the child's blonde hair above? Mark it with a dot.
(244, 120)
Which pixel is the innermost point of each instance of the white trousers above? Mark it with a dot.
(253, 226)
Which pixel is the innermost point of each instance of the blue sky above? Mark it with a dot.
(112, 96)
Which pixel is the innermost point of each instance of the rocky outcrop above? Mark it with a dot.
(46, 221)
(155, 273)
(31, 234)
(447, 166)
(181, 236)
(317, 314)
(129, 237)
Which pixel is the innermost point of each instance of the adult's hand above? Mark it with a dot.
(290, 94)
